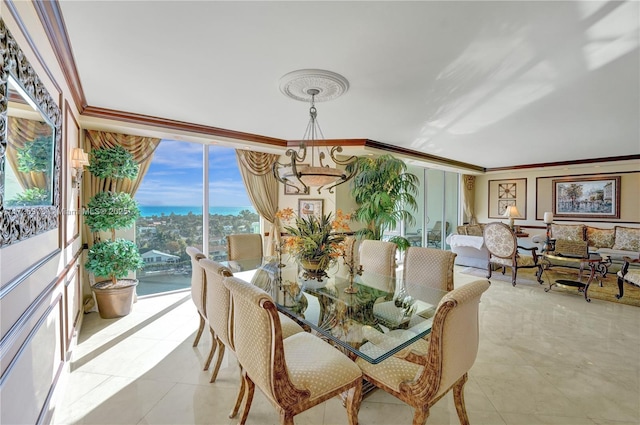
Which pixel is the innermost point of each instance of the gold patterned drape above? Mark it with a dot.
(468, 197)
(19, 132)
(262, 188)
(142, 149)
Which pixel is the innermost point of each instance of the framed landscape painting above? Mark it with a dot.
(591, 197)
(307, 207)
(505, 193)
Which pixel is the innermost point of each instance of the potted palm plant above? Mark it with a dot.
(108, 211)
(385, 194)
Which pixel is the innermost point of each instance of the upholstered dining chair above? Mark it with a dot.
(502, 245)
(424, 378)
(295, 373)
(221, 319)
(243, 248)
(198, 289)
(423, 269)
(378, 261)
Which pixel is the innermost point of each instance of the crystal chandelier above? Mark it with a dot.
(296, 174)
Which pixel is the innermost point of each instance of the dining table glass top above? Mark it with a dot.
(374, 322)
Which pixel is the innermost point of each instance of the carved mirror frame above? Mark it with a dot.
(19, 223)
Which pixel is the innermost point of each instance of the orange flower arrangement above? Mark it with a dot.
(315, 239)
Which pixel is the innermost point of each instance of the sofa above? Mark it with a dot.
(615, 243)
(468, 243)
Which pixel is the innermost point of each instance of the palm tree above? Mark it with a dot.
(384, 192)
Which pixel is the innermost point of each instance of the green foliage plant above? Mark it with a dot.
(115, 163)
(32, 196)
(385, 194)
(109, 211)
(36, 155)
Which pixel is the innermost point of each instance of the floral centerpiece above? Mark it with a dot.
(316, 242)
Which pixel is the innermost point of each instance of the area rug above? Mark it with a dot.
(607, 291)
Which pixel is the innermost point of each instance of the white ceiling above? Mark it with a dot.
(494, 84)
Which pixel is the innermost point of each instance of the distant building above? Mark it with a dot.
(155, 256)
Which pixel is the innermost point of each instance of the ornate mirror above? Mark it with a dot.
(30, 148)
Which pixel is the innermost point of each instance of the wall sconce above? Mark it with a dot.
(511, 212)
(79, 159)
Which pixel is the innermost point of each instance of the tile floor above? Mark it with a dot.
(544, 358)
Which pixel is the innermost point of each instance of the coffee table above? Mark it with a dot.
(598, 265)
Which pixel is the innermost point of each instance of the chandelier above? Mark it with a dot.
(297, 174)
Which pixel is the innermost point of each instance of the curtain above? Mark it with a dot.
(262, 188)
(21, 131)
(468, 197)
(142, 149)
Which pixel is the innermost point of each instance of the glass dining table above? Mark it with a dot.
(374, 320)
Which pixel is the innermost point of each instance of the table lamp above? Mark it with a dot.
(548, 219)
(511, 212)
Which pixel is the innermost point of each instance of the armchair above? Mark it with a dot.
(424, 378)
(502, 245)
(295, 373)
(630, 273)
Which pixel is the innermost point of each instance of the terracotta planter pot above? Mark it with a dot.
(115, 300)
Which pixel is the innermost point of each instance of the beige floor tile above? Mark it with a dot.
(545, 358)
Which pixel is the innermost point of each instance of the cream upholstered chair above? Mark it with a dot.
(628, 274)
(502, 245)
(423, 268)
(378, 261)
(295, 373)
(424, 378)
(221, 319)
(427, 267)
(244, 251)
(198, 289)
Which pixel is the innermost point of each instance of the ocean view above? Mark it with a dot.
(158, 210)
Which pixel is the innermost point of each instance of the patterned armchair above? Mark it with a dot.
(221, 321)
(244, 251)
(198, 290)
(630, 273)
(502, 245)
(424, 378)
(295, 373)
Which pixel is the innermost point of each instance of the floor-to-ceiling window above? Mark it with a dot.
(172, 199)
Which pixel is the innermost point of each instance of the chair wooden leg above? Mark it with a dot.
(286, 418)
(251, 387)
(620, 288)
(458, 398)
(420, 415)
(240, 396)
(354, 398)
(514, 273)
(200, 329)
(539, 274)
(212, 351)
(214, 374)
(489, 270)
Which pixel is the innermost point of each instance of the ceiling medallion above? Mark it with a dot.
(317, 84)
(329, 85)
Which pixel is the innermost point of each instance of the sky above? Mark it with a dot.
(174, 177)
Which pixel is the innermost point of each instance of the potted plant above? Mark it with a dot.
(385, 194)
(315, 242)
(108, 211)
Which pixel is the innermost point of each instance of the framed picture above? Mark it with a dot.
(506, 193)
(292, 190)
(307, 207)
(591, 197)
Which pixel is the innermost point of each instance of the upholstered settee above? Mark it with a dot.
(616, 243)
(468, 243)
